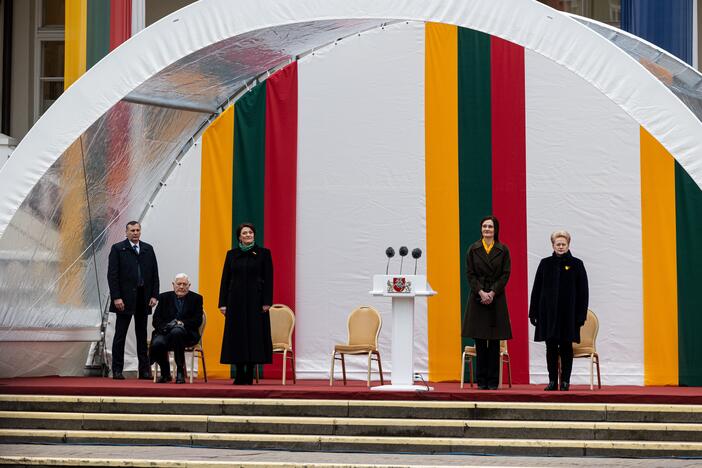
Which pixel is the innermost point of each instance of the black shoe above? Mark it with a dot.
(164, 379)
(146, 375)
(482, 387)
(249, 375)
(552, 386)
(118, 376)
(565, 386)
(492, 387)
(180, 376)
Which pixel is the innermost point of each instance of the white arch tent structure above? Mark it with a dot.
(152, 94)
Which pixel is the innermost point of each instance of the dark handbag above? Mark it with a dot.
(165, 329)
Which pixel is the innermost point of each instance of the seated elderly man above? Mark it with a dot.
(176, 324)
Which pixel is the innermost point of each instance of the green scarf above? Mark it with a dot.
(246, 248)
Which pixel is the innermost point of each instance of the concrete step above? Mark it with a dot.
(358, 408)
(357, 427)
(528, 429)
(498, 446)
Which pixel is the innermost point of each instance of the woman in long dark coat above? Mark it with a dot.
(245, 295)
(488, 267)
(558, 307)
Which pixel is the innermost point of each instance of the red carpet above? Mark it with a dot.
(355, 390)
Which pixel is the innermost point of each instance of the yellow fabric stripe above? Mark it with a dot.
(215, 230)
(443, 242)
(74, 214)
(660, 300)
(72, 168)
(75, 46)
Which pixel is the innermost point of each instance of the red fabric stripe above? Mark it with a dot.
(281, 186)
(509, 188)
(120, 22)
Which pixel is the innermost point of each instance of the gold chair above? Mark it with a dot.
(363, 324)
(470, 353)
(193, 350)
(197, 349)
(587, 346)
(282, 325)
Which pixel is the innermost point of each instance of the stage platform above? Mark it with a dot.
(355, 390)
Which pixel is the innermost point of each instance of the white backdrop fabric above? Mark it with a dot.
(583, 176)
(360, 187)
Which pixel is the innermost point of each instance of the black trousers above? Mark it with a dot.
(487, 369)
(121, 328)
(244, 373)
(176, 340)
(554, 350)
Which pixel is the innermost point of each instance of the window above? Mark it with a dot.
(48, 54)
(53, 14)
(606, 11)
(51, 73)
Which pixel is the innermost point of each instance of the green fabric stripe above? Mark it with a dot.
(249, 166)
(249, 161)
(98, 31)
(474, 143)
(688, 209)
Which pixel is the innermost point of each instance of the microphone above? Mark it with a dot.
(403, 254)
(416, 253)
(389, 252)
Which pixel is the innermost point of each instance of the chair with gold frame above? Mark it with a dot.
(282, 326)
(470, 354)
(587, 347)
(363, 325)
(193, 350)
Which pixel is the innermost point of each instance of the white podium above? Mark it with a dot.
(402, 289)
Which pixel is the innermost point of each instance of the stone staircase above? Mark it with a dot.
(525, 429)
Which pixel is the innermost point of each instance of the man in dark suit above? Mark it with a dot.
(177, 321)
(132, 275)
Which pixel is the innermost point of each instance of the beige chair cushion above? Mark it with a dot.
(470, 350)
(354, 349)
(584, 351)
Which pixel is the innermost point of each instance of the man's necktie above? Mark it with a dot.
(140, 279)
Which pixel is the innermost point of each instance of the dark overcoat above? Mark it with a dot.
(559, 298)
(191, 316)
(122, 275)
(247, 285)
(489, 272)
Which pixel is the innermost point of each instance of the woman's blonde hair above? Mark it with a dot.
(556, 234)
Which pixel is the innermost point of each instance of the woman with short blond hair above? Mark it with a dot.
(558, 307)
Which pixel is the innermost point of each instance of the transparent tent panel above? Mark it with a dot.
(682, 79)
(53, 273)
(210, 76)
